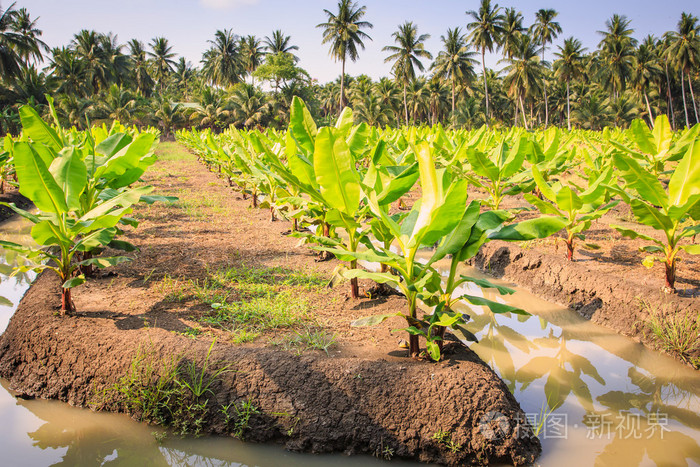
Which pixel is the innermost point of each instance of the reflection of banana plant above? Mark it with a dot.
(664, 210)
(494, 337)
(654, 394)
(663, 447)
(650, 399)
(560, 380)
(577, 208)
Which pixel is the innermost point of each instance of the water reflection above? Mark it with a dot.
(621, 403)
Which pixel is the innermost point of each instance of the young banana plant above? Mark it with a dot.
(81, 195)
(441, 215)
(665, 210)
(500, 169)
(577, 208)
(656, 148)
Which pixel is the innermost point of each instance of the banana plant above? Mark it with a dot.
(80, 188)
(655, 148)
(665, 210)
(576, 207)
(499, 169)
(441, 215)
(113, 162)
(56, 189)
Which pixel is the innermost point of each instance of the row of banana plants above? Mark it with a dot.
(80, 183)
(576, 176)
(343, 180)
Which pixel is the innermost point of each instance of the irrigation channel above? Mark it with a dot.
(597, 398)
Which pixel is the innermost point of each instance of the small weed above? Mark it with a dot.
(166, 391)
(148, 276)
(675, 332)
(240, 419)
(544, 414)
(383, 452)
(198, 380)
(192, 333)
(160, 436)
(445, 438)
(294, 418)
(307, 339)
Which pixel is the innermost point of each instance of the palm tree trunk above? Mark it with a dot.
(405, 104)
(522, 108)
(670, 98)
(692, 97)
(544, 87)
(453, 99)
(568, 107)
(486, 87)
(685, 105)
(342, 85)
(651, 115)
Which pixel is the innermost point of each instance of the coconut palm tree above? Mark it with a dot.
(73, 109)
(437, 98)
(454, 62)
(546, 30)
(684, 54)
(166, 114)
(512, 25)
(222, 61)
(568, 67)
(280, 44)
(118, 67)
(622, 111)
(616, 66)
(139, 68)
(13, 45)
(183, 74)
(417, 92)
(116, 104)
(486, 30)
(344, 33)
(70, 72)
(617, 54)
(593, 112)
(87, 46)
(249, 106)
(24, 25)
(406, 56)
(162, 56)
(523, 73)
(371, 110)
(469, 113)
(389, 96)
(647, 70)
(661, 50)
(252, 54)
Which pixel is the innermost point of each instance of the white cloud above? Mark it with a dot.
(227, 4)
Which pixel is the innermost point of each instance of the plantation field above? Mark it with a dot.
(392, 192)
(241, 265)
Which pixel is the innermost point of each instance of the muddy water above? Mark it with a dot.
(599, 398)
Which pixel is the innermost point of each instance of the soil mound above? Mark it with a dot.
(454, 412)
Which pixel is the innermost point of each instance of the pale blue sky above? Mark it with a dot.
(188, 24)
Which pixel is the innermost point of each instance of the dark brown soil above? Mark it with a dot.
(11, 195)
(364, 396)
